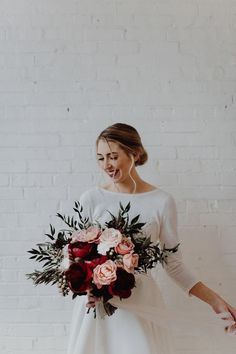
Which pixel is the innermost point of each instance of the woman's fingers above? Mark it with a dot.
(92, 300)
(231, 330)
(90, 304)
(230, 324)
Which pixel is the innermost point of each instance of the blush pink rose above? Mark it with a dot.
(109, 238)
(130, 261)
(89, 235)
(125, 246)
(104, 274)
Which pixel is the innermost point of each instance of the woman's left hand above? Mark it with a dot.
(228, 313)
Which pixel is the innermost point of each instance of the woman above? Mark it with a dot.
(138, 324)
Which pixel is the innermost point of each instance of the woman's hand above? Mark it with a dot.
(92, 299)
(227, 313)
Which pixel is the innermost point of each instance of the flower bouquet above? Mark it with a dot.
(95, 258)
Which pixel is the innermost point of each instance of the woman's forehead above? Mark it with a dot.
(109, 147)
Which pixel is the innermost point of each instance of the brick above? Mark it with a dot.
(32, 330)
(7, 302)
(9, 275)
(18, 343)
(11, 193)
(198, 179)
(48, 166)
(72, 179)
(21, 154)
(182, 126)
(197, 152)
(4, 180)
(33, 219)
(44, 193)
(228, 178)
(104, 34)
(50, 343)
(32, 180)
(158, 152)
(6, 205)
(12, 166)
(8, 219)
(181, 166)
(25, 233)
(139, 7)
(63, 33)
(33, 140)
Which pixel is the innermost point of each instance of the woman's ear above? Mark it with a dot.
(136, 156)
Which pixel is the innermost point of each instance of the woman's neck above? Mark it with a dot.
(141, 186)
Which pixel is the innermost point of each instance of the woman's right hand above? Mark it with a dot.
(227, 313)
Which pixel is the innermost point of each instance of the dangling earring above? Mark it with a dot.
(132, 163)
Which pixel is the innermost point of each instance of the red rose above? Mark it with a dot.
(83, 250)
(96, 261)
(123, 284)
(79, 276)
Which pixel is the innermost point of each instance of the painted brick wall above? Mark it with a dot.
(69, 68)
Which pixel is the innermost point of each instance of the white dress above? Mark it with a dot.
(140, 324)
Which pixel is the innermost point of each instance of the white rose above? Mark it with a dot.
(109, 238)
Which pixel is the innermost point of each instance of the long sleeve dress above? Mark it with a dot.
(139, 325)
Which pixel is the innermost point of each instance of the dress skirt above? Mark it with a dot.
(132, 329)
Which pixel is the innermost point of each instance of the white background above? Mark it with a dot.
(70, 68)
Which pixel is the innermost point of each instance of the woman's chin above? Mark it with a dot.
(116, 177)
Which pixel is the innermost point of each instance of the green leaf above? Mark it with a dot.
(121, 206)
(139, 225)
(135, 219)
(127, 208)
(51, 237)
(34, 251)
(52, 230)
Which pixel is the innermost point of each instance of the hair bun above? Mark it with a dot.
(143, 157)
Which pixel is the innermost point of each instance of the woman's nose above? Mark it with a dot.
(107, 164)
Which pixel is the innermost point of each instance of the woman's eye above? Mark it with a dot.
(112, 158)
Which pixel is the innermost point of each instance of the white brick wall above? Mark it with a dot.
(69, 68)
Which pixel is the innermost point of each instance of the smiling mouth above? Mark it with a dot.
(113, 174)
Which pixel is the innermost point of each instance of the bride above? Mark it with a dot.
(140, 325)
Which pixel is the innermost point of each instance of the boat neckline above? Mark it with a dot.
(129, 194)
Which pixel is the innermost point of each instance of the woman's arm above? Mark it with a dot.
(185, 278)
(218, 304)
(205, 294)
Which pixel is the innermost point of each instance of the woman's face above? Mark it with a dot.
(113, 160)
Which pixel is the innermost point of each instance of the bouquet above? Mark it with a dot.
(100, 259)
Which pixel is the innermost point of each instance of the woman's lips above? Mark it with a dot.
(113, 174)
